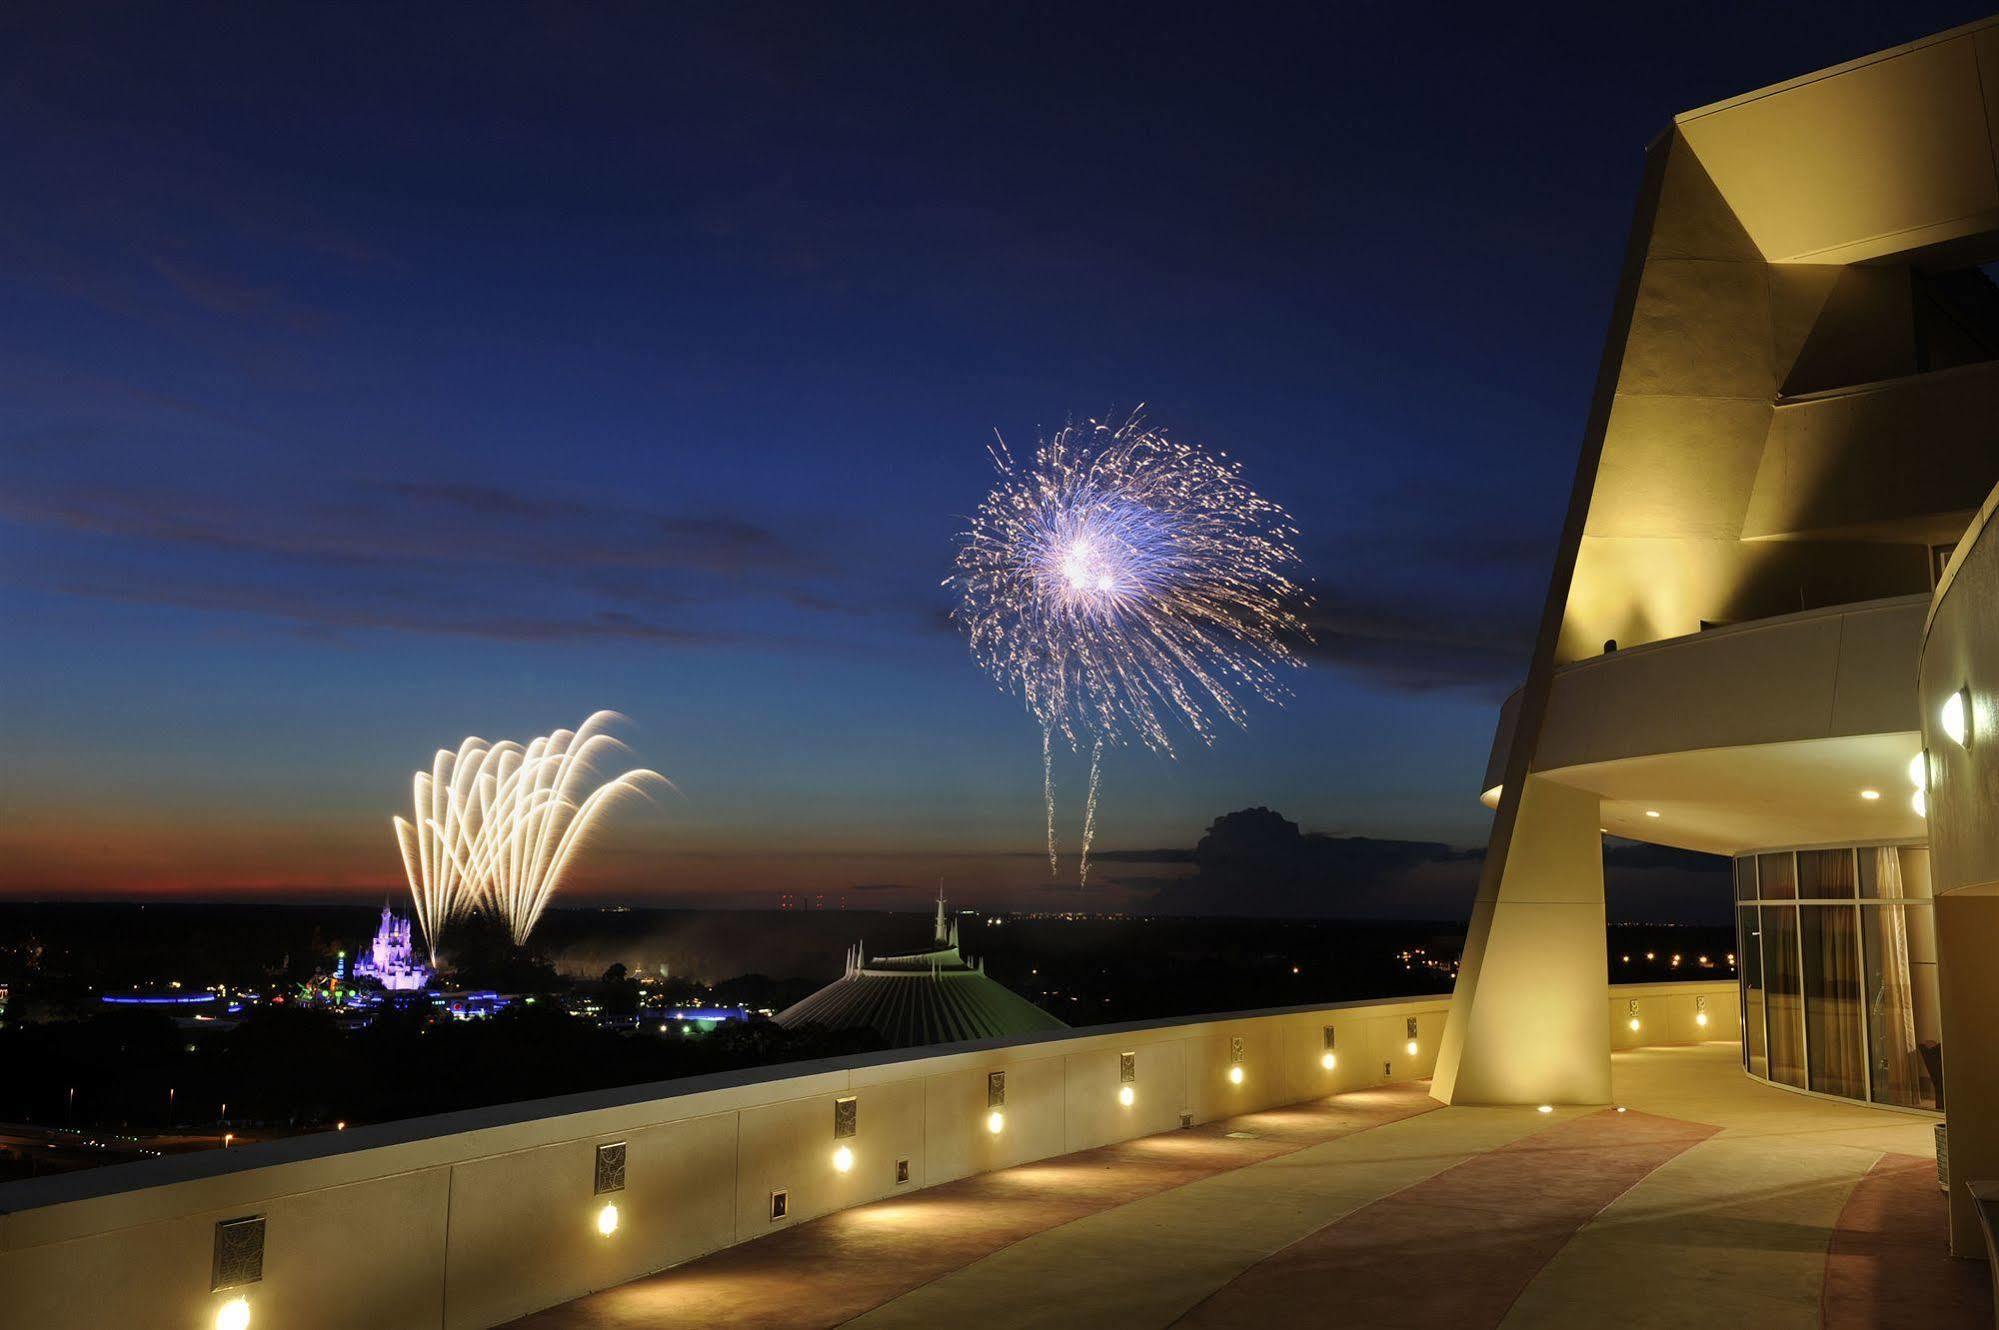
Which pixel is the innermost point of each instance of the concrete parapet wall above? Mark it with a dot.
(470, 1219)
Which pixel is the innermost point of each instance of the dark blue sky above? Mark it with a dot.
(370, 379)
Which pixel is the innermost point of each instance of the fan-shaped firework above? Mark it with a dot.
(496, 825)
(1124, 584)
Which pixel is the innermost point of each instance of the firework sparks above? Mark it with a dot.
(497, 825)
(1125, 585)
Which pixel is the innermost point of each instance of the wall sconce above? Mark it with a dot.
(1632, 1008)
(1412, 1045)
(236, 1260)
(1700, 1012)
(1127, 1075)
(609, 1180)
(1327, 1059)
(996, 1102)
(846, 1125)
(1954, 717)
(1236, 1057)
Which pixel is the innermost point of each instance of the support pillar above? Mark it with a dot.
(1530, 1016)
(1967, 922)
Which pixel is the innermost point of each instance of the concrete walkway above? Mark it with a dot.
(1712, 1197)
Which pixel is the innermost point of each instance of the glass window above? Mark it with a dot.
(1749, 948)
(1825, 875)
(1745, 878)
(1904, 1051)
(1834, 1035)
(1783, 997)
(1778, 874)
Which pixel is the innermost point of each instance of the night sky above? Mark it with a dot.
(371, 379)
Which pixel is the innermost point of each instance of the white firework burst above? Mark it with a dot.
(1126, 585)
(497, 825)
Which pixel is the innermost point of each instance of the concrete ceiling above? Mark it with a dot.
(1728, 800)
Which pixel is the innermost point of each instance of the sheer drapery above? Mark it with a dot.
(1834, 1032)
(1783, 996)
(1895, 1052)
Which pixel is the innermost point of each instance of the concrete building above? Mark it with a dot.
(1770, 634)
(1796, 422)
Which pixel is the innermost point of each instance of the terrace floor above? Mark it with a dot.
(1712, 1198)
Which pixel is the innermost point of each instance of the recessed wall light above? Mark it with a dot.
(843, 1160)
(1920, 803)
(1919, 771)
(1235, 1075)
(1870, 795)
(1127, 1096)
(607, 1219)
(1954, 717)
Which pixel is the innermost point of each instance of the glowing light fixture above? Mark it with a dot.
(1920, 803)
(1622, 1109)
(1919, 775)
(1954, 718)
(1700, 1019)
(1545, 1108)
(1127, 1096)
(607, 1219)
(1651, 812)
(1633, 1023)
(233, 1315)
(1235, 1075)
(1870, 795)
(995, 1122)
(1328, 1061)
(843, 1160)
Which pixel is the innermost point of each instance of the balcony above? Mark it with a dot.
(1242, 1179)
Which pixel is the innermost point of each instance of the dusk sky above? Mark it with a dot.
(369, 379)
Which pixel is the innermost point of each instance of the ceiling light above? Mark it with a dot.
(1870, 795)
(1651, 812)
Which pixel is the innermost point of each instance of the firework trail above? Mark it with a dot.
(1123, 585)
(497, 825)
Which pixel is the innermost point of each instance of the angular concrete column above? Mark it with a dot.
(1530, 1020)
(1967, 939)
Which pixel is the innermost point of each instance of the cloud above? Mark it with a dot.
(332, 613)
(1421, 649)
(393, 522)
(1257, 862)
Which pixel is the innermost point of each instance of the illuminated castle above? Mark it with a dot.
(391, 961)
(934, 996)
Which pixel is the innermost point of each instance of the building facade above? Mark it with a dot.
(1795, 426)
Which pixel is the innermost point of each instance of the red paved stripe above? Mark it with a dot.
(832, 1269)
(1455, 1249)
(1890, 1265)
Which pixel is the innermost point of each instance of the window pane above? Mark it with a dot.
(1749, 948)
(1833, 1033)
(1783, 994)
(1903, 1048)
(1745, 878)
(1778, 875)
(1825, 875)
